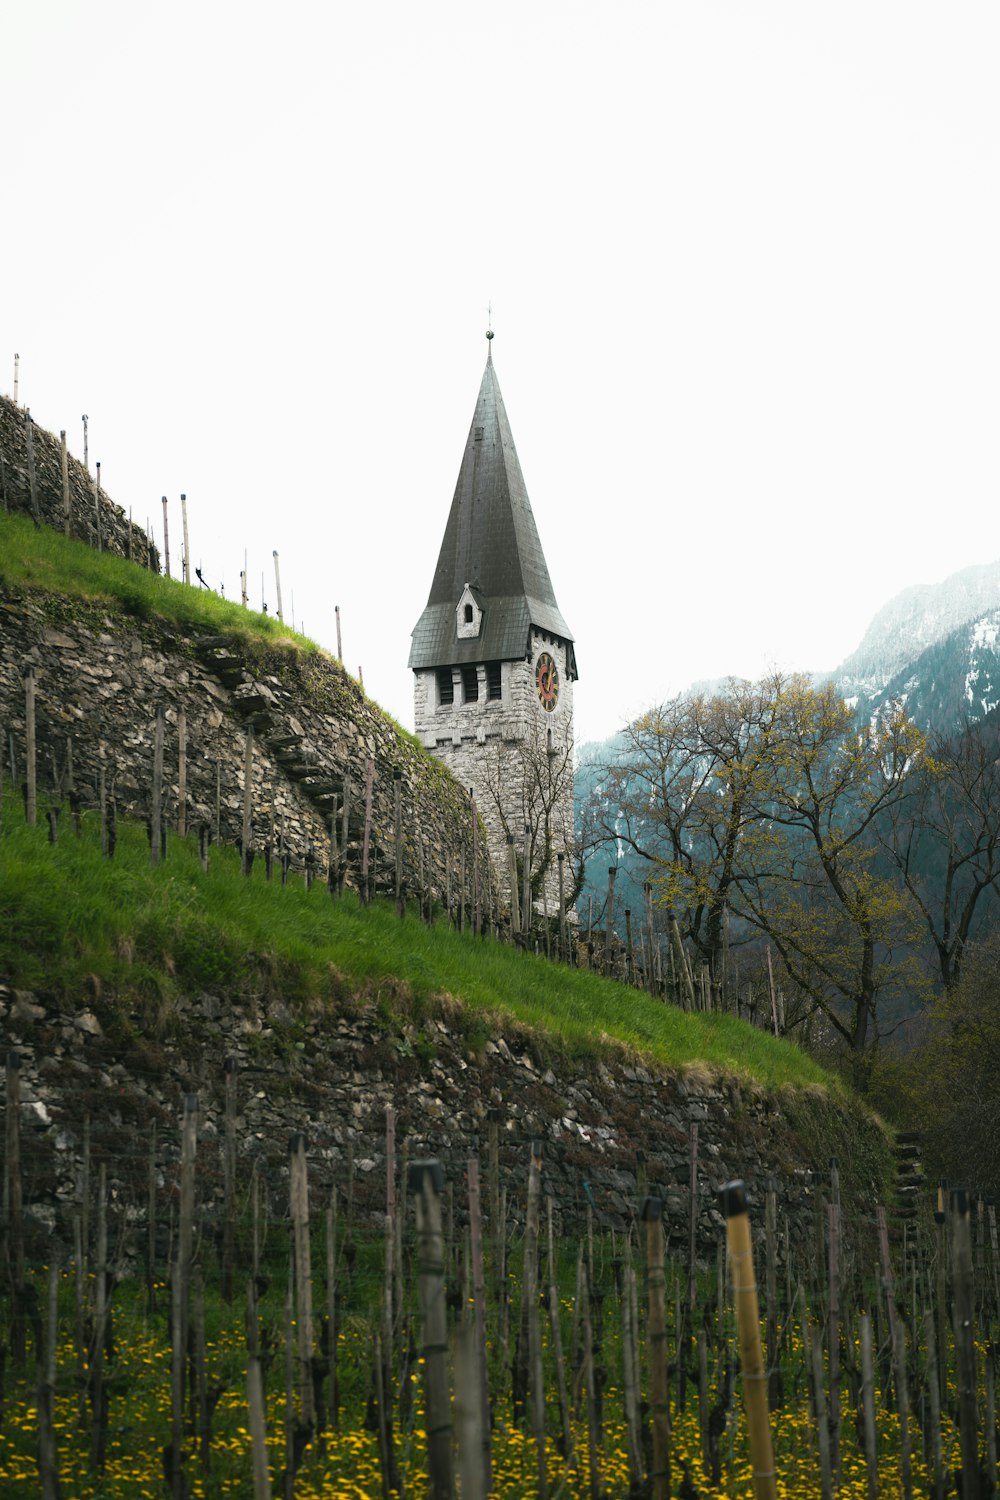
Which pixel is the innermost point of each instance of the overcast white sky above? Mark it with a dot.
(744, 262)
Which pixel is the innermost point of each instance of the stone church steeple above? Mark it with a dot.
(493, 659)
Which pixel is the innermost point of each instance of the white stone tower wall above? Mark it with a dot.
(510, 751)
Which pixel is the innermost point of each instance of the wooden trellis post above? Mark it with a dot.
(30, 757)
(156, 810)
(734, 1208)
(426, 1180)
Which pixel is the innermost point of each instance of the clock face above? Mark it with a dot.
(547, 682)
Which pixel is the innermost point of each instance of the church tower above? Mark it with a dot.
(494, 664)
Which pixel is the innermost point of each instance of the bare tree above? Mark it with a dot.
(944, 839)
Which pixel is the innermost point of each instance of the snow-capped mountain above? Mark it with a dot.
(918, 620)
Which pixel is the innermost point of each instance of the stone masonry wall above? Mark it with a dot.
(609, 1130)
(117, 533)
(500, 748)
(100, 676)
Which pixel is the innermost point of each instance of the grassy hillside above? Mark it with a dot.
(75, 925)
(39, 558)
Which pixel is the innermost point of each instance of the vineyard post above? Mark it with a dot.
(13, 1203)
(366, 894)
(629, 954)
(29, 441)
(530, 1295)
(734, 1208)
(151, 1225)
(97, 506)
(201, 1372)
(833, 1335)
(303, 1279)
(155, 819)
(937, 1489)
(96, 1384)
(181, 773)
(481, 1372)
(388, 1320)
(469, 1416)
(30, 758)
(609, 925)
(563, 945)
(965, 1349)
(186, 559)
(692, 1270)
(632, 1440)
(85, 1189)
(903, 1405)
(651, 1214)
(181, 1290)
(426, 1179)
(397, 801)
(229, 1179)
(593, 1445)
(822, 1423)
(868, 1405)
(991, 1416)
(48, 1460)
(166, 540)
(774, 1386)
(331, 1308)
(64, 469)
(255, 1399)
(557, 1347)
(246, 853)
(888, 1283)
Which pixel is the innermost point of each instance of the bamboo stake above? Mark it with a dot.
(734, 1208)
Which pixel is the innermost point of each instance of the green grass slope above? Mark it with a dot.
(74, 925)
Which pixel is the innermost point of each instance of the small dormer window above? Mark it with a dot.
(479, 434)
(468, 615)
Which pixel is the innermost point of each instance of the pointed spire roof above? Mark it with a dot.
(490, 543)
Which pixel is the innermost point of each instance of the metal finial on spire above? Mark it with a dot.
(489, 319)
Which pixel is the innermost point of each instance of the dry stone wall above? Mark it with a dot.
(27, 448)
(101, 676)
(608, 1129)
